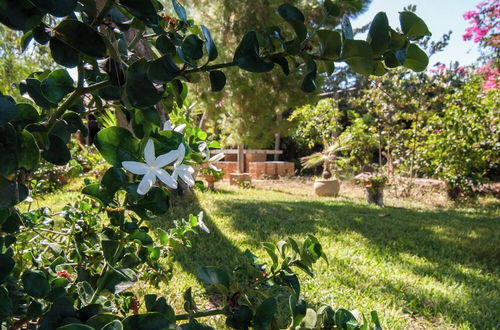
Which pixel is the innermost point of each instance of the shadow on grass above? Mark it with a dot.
(447, 239)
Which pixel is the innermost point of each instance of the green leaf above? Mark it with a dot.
(35, 283)
(179, 10)
(5, 303)
(57, 85)
(100, 320)
(111, 251)
(32, 86)
(162, 236)
(217, 80)
(416, 58)
(114, 179)
(27, 114)
(81, 37)
(140, 236)
(210, 46)
(195, 326)
(378, 35)
(298, 311)
(358, 54)
(58, 8)
(343, 317)
(264, 314)
(141, 92)
(85, 292)
(155, 201)
(309, 82)
(62, 130)
(413, 26)
(247, 55)
(147, 321)
(8, 109)
(8, 149)
(6, 266)
(113, 325)
(326, 67)
(379, 69)
(165, 45)
(192, 47)
(75, 122)
(63, 54)
(26, 40)
(163, 70)
(289, 12)
(11, 193)
(117, 280)
(12, 224)
(116, 145)
(397, 40)
(390, 60)
(213, 275)
(28, 153)
(330, 44)
(295, 18)
(331, 8)
(75, 326)
(143, 10)
(159, 305)
(41, 34)
(310, 320)
(19, 14)
(241, 318)
(283, 63)
(375, 320)
(58, 152)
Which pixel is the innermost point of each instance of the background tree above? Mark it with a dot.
(249, 111)
(18, 60)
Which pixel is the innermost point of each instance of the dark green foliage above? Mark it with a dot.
(136, 62)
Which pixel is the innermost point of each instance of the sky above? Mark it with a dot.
(441, 16)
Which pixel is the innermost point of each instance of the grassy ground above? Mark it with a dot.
(417, 264)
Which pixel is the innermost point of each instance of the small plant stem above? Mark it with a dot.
(138, 36)
(103, 12)
(79, 91)
(212, 67)
(200, 314)
(98, 289)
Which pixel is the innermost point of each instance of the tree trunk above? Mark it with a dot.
(241, 159)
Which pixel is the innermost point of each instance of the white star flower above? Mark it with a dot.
(203, 147)
(167, 126)
(185, 172)
(201, 224)
(152, 169)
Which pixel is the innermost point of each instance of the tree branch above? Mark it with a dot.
(103, 12)
(212, 312)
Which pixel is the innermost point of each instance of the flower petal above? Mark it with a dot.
(146, 183)
(217, 157)
(180, 128)
(215, 168)
(149, 152)
(202, 146)
(186, 177)
(165, 159)
(201, 224)
(186, 168)
(181, 152)
(166, 178)
(135, 167)
(167, 126)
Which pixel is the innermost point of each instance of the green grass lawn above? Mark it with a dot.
(419, 266)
